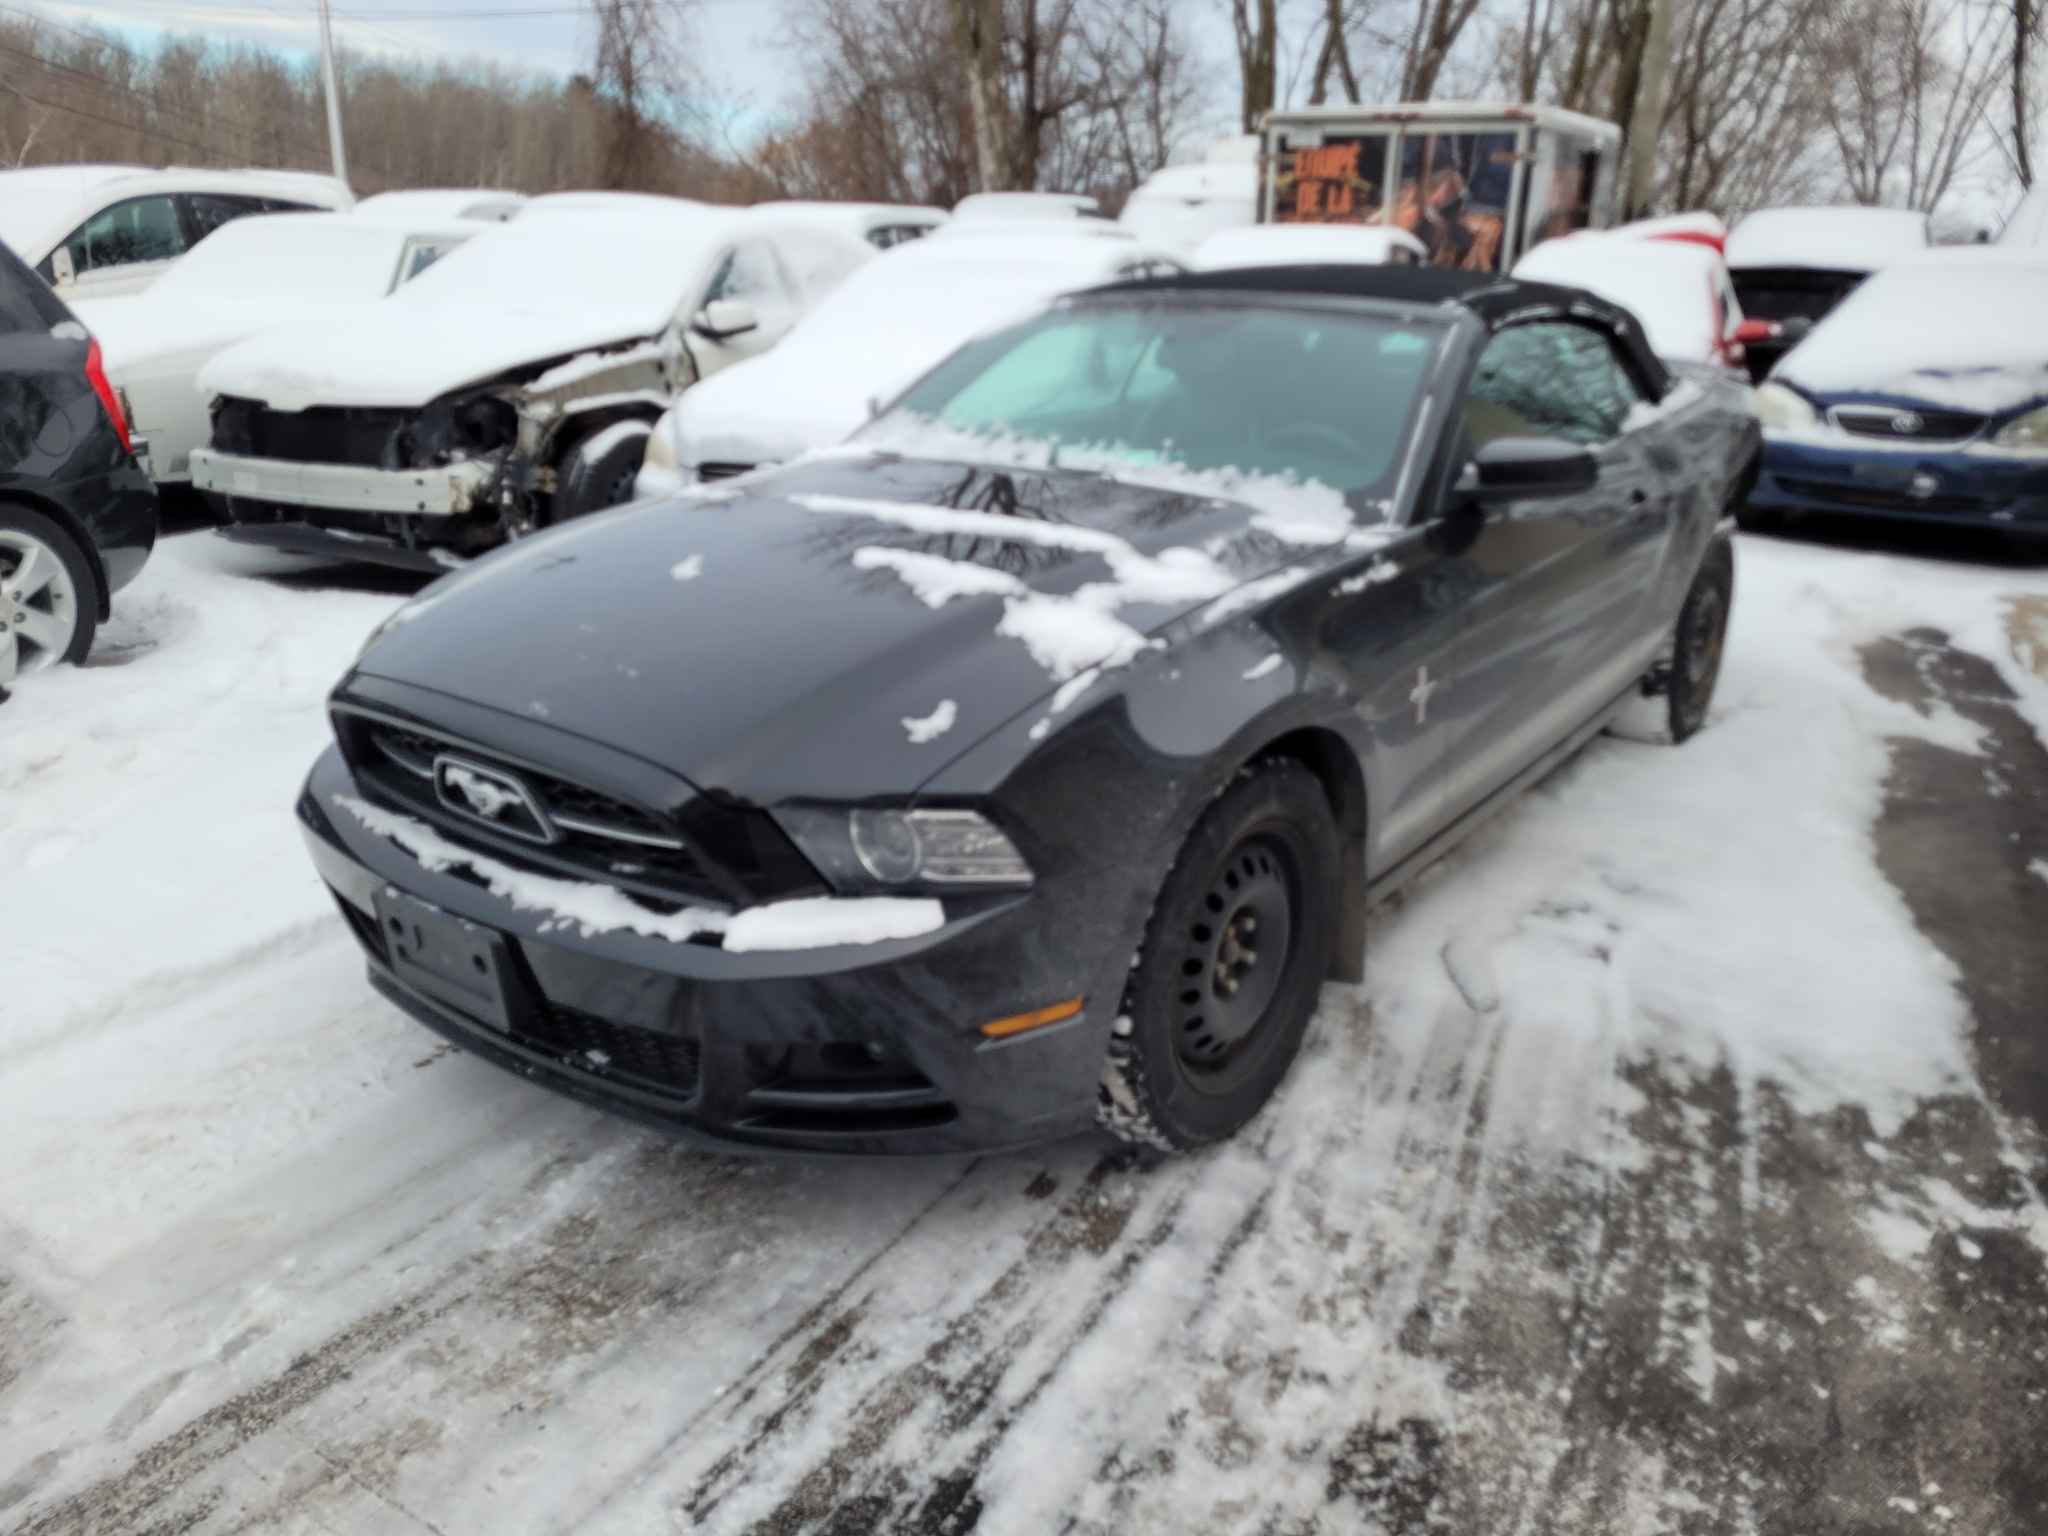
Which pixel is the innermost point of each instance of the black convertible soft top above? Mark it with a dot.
(1496, 301)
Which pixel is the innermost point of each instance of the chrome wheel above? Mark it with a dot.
(39, 605)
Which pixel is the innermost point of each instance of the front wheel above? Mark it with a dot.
(1700, 641)
(599, 471)
(49, 605)
(1232, 964)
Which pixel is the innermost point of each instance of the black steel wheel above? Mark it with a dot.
(599, 471)
(1700, 642)
(1232, 964)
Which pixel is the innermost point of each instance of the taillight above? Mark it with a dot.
(96, 376)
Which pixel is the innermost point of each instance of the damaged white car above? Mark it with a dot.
(509, 388)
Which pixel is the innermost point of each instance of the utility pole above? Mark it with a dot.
(334, 139)
(1653, 85)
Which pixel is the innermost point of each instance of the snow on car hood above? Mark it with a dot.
(1827, 239)
(1967, 329)
(522, 293)
(134, 333)
(873, 337)
(800, 635)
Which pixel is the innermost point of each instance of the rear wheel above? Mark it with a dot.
(49, 603)
(1700, 641)
(1231, 966)
(599, 471)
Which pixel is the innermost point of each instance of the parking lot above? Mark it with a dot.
(1679, 1167)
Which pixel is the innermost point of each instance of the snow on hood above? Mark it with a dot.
(881, 329)
(840, 597)
(39, 207)
(1668, 285)
(519, 293)
(1827, 239)
(1965, 329)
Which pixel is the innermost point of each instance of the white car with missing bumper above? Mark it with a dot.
(511, 387)
(885, 327)
(246, 279)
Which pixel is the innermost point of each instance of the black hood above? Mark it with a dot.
(748, 645)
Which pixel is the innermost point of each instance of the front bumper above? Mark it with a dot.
(1944, 486)
(870, 1048)
(444, 491)
(340, 544)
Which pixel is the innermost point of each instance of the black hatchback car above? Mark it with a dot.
(1033, 760)
(78, 514)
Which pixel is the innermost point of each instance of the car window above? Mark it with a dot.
(1549, 379)
(210, 210)
(419, 255)
(887, 236)
(26, 303)
(751, 274)
(141, 229)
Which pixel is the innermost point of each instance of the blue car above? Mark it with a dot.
(1923, 398)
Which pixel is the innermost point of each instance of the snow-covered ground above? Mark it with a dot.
(1653, 1183)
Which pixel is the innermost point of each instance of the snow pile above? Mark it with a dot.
(689, 568)
(1295, 511)
(815, 922)
(1987, 352)
(928, 728)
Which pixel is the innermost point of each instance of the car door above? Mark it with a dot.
(1553, 589)
(119, 250)
(748, 274)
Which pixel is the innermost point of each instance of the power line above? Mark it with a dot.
(112, 122)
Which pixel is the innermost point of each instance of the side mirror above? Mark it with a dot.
(1528, 469)
(62, 268)
(723, 319)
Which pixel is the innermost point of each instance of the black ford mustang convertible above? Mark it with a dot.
(1031, 761)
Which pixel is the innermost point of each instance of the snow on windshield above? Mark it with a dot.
(1988, 351)
(635, 265)
(304, 255)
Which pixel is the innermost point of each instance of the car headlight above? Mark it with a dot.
(1782, 409)
(867, 850)
(2024, 434)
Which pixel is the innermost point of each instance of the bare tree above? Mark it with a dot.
(1914, 82)
(1438, 24)
(639, 79)
(1258, 57)
(978, 34)
(2026, 30)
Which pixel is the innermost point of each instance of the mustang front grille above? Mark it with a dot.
(663, 1063)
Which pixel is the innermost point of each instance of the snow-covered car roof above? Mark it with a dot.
(1025, 205)
(1965, 327)
(897, 316)
(1271, 245)
(1701, 228)
(517, 293)
(1827, 239)
(442, 204)
(622, 204)
(858, 219)
(1436, 113)
(1201, 182)
(39, 207)
(1185, 204)
(1668, 285)
(2028, 225)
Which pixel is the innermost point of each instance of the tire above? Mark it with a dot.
(1700, 642)
(598, 471)
(49, 597)
(1206, 1035)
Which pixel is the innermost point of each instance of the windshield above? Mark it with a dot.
(1285, 393)
(300, 255)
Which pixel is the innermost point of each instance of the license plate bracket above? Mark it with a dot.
(451, 959)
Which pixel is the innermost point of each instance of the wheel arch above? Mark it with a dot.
(62, 516)
(1330, 758)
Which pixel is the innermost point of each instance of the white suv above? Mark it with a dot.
(98, 231)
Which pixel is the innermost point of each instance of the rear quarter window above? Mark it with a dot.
(26, 303)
